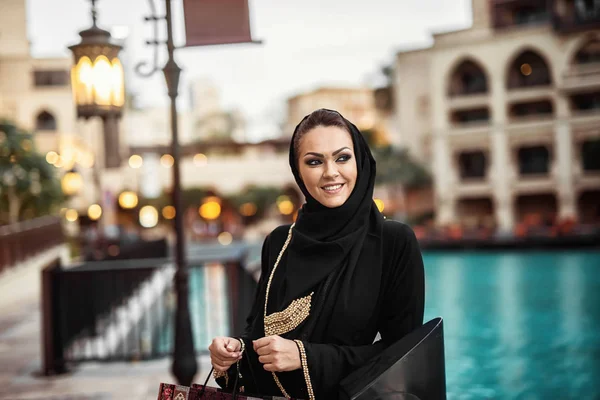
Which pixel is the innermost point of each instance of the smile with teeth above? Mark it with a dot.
(333, 188)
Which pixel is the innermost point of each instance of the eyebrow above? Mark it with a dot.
(335, 153)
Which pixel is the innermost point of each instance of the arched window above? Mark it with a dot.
(467, 78)
(588, 53)
(528, 69)
(45, 122)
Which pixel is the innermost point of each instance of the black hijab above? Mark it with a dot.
(326, 240)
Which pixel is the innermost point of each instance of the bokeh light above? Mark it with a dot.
(94, 212)
(136, 161)
(148, 217)
(167, 160)
(225, 238)
(168, 212)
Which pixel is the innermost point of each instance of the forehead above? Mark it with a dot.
(325, 139)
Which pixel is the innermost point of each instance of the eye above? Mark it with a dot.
(313, 162)
(344, 158)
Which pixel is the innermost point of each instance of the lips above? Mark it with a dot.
(333, 188)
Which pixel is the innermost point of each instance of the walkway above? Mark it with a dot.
(20, 352)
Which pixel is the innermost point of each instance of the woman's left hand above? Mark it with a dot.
(277, 354)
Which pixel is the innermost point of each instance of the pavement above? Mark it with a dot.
(21, 352)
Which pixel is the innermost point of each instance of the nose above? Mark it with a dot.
(331, 171)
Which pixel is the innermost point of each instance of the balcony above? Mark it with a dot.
(531, 130)
(528, 94)
(472, 187)
(585, 123)
(470, 132)
(534, 183)
(473, 101)
(586, 180)
(581, 77)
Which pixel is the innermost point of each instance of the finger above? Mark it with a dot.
(233, 345)
(265, 350)
(267, 359)
(224, 354)
(271, 367)
(262, 342)
(223, 363)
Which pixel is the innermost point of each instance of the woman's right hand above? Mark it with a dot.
(224, 352)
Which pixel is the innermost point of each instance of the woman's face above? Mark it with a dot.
(327, 164)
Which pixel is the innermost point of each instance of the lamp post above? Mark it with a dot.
(184, 365)
(98, 84)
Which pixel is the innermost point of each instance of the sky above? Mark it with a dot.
(306, 45)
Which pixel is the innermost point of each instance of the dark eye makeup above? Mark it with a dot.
(312, 162)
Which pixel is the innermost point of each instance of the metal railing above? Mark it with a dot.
(124, 309)
(25, 239)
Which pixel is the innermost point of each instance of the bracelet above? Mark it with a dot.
(242, 344)
(304, 362)
(221, 374)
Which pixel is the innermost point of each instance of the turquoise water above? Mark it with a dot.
(522, 325)
(518, 325)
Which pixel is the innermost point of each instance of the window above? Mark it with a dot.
(42, 78)
(468, 78)
(519, 12)
(590, 155)
(534, 160)
(471, 116)
(589, 53)
(586, 102)
(530, 15)
(527, 70)
(539, 108)
(472, 165)
(45, 122)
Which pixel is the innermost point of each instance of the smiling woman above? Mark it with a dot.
(330, 282)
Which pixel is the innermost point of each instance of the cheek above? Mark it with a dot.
(310, 176)
(350, 173)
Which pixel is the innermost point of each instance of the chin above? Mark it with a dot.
(333, 203)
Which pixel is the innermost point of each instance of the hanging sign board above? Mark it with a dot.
(213, 22)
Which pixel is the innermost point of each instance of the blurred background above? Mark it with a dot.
(483, 116)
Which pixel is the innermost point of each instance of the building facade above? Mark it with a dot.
(507, 112)
(356, 104)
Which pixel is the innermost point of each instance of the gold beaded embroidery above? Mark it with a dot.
(289, 319)
(304, 362)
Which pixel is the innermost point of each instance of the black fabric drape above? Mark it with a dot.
(366, 275)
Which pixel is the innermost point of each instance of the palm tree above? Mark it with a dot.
(29, 186)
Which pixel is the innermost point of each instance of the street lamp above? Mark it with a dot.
(98, 84)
